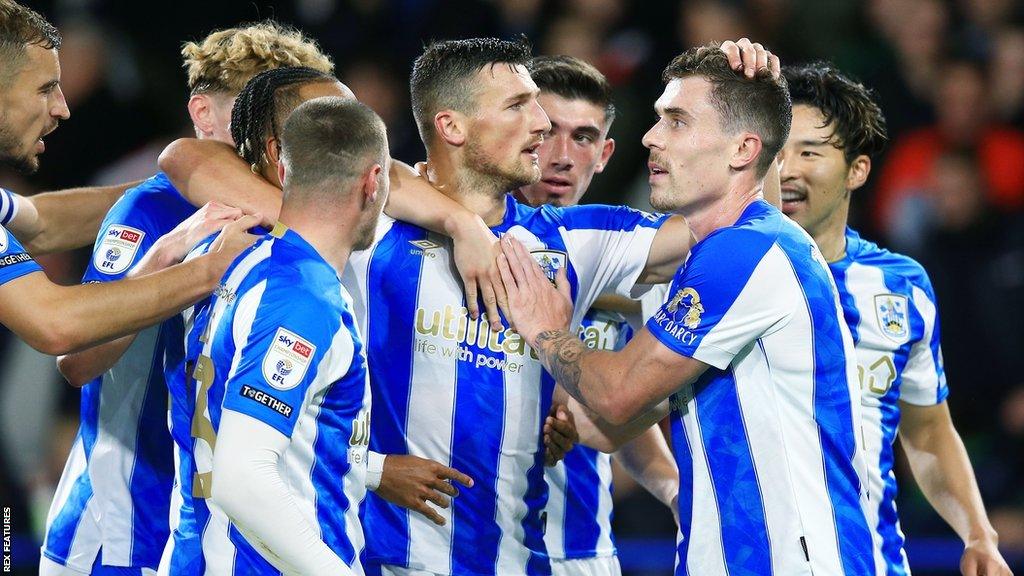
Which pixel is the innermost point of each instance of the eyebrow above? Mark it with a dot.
(588, 131)
(813, 142)
(520, 97)
(50, 85)
(676, 112)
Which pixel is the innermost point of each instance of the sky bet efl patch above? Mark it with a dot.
(117, 249)
(287, 360)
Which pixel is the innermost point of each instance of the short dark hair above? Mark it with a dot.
(263, 105)
(860, 126)
(760, 104)
(329, 140)
(573, 79)
(441, 76)
(20, 27)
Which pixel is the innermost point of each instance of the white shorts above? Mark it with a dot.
(600, 566)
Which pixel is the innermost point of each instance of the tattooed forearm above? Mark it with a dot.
(562, 353)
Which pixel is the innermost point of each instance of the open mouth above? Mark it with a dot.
(656, 170)
(40, 145)
(792, 198)
(531, 151)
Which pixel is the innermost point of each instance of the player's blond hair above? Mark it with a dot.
(226, 59)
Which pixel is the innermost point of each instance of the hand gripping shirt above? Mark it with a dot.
(446, 388)
(890, 308)
(765, 439)
(278, 343)
(115, 491)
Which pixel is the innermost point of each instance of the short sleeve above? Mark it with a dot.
(923, 380)
(14, 260)
(725, 297)
(283, 336)
(610, 244)
(131, 227)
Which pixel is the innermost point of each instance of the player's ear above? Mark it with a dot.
(272, 150)
(200, 109)
(606, 155)
(280, 172)
(747, 151)
(857, 175)
(371, 184)
(450, 127)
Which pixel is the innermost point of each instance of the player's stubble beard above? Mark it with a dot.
(9, 144)
(499, 178)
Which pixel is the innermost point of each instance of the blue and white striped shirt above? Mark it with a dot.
(579, 510)
(890, 308)
(14, 260)
(448, 389)
(115, 491)
(765, 439)
(279, 344)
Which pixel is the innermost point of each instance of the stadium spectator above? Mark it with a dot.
(963, 122)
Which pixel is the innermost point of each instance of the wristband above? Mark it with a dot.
(374, 469)
(8, 206)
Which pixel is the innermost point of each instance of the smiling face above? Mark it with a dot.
(815, 175)
(31, 105)
(574, 150)
(506, 127)
(689, 151)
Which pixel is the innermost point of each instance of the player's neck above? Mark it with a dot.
(478, 195)
(831, 235)
(329, 233)
(705, 218)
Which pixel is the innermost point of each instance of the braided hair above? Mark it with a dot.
(257, 110)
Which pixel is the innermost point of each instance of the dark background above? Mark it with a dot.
(949, 191)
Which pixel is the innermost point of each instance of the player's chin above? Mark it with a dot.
(661, 200)
(27, 164)
(523, 175)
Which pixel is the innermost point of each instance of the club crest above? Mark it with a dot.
(891, 311)
(550, 261)
(685, 308)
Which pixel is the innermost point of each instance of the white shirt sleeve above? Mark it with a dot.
(248, 487)
(923, 381)
(609, 247)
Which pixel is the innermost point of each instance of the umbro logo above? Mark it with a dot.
(424, 244)
(423, 248)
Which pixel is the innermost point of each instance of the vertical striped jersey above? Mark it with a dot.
(14, 260)
(579, 510)
(765, 439)
(890, 308)
(448, 389)
(115, 491)
(279, 344)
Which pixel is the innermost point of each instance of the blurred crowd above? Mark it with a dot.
(949, 191)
